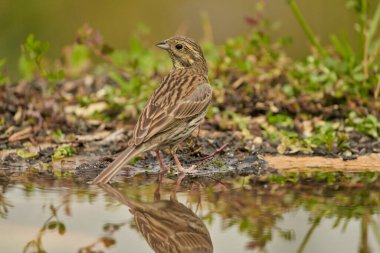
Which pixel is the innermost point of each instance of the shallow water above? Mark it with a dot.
(244, 214)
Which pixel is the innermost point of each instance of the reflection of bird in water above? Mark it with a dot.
(167, 225)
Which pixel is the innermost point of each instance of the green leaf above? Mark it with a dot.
(52, 225)
(4, 79)
(368, 125)
(54, 77)
(58, 135)
(280, 120)
(80, 55)
(63, 151)
(34, 48)
(342, 46)
(289, 90)
(26, 154)
(61, 228)
(26, 67)
(2, 62)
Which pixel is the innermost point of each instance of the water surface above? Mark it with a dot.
(244, 214)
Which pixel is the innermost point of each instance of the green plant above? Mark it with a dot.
(342, 71)
(324, 135)
(368, 28)
(52, 223)
(282, 120)
(305, 26)
(63, 151)
(31, 60)
(368, 125)
(4, 78)
(291, 143)
(58, 135)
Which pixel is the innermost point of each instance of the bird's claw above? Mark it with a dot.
(164, 171)
(190, 170)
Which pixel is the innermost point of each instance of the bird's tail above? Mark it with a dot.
(117, 164)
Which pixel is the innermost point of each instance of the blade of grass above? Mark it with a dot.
(374, 44)
(342, 46)
(364, 37)
(373, 26)
(347, 45)
(309, 33)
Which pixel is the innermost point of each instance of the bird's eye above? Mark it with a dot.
(178, 46)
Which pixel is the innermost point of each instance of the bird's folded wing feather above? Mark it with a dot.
(158, 117)
(194, 103)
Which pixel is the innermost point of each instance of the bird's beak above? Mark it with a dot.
(163, 45)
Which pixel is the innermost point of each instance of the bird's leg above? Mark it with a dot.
(157, 194)
(179, 165)
(199, 131)
(162, 165)
(173, 195)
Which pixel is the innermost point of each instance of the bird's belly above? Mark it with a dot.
(183, 130)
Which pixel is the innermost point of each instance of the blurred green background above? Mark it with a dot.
(57, 21)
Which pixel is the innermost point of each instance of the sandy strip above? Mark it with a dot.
(362, 163)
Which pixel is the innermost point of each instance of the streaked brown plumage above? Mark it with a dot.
(167, 225)
(175, 109)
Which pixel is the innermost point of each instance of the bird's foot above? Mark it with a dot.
(163, 168)
(180, 168)
(190, 170)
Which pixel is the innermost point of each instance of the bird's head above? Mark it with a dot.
(185, 52)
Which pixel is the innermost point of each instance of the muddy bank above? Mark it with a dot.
(228, 162)
(215, 153)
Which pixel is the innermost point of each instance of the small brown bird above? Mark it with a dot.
(174, 111)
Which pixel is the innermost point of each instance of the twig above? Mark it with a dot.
(196, 151)
(215, 152)
(21, 135)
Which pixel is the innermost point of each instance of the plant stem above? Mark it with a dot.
(305, 240)
(206, 25)
(364, 247)
(373, 26)
(309, 33)
(364, 40)
(377, 89)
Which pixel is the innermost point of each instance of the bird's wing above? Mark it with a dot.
(194, 103)
(177, 98)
